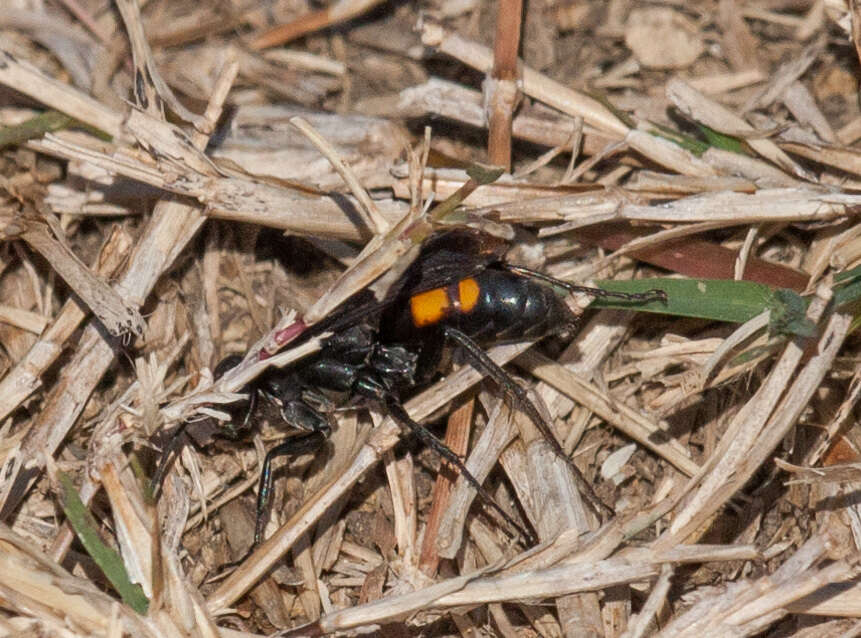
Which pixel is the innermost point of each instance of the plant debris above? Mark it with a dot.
(184, 181)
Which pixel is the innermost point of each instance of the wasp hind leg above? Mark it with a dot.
(200, 433)
(370, 387)
(517, 395)
(399, 414)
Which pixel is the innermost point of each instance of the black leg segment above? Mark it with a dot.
(515, 393)
(293, 446)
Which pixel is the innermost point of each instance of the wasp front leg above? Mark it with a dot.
(203, 431)
(306, 443)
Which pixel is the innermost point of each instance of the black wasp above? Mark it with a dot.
(459, 292)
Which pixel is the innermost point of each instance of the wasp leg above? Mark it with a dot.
(427, 437)
(371, 388)
(293, 446)
(650, 295)
(484, 364)
(240, 413)
(200, 433)
(178, 440)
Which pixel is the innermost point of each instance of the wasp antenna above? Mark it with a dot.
(654, 294)
(650, 295)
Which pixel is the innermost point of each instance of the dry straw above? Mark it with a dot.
(135, 254)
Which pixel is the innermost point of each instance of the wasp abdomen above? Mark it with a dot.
(491, 306)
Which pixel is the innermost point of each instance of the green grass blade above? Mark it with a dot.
(108, 560)
(687, 142)
(37, 126)
(34, 127)
(788, 314)
(848, 286)
(715, 300)
(720, 140)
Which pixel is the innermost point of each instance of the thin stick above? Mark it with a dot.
(375, 222)
(315, 21)
(23, 379)
(501, 89)
(457, 440)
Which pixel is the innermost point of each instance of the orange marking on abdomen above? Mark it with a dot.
(429, 307)
(467, 293)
